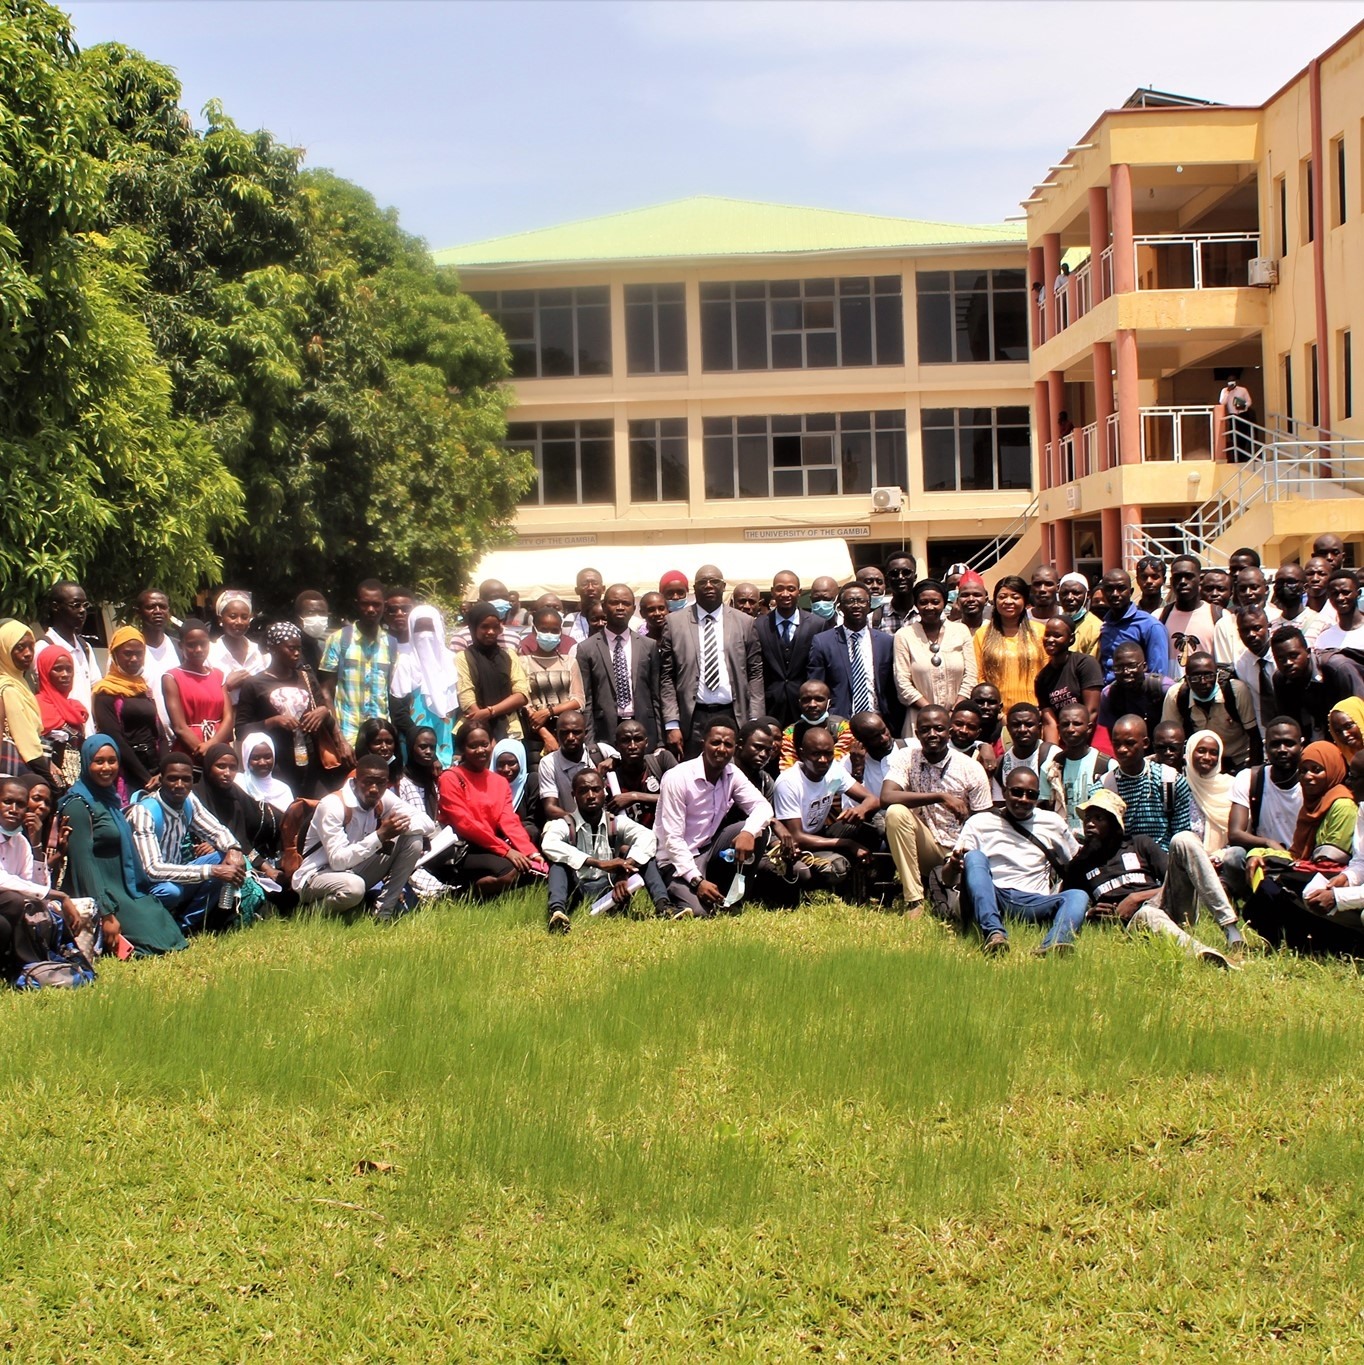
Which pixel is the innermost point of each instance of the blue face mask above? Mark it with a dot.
(548, 640)
(1201, 698)
(824, 609)
(677, 603)
(501, 606)
(818, 720)
(1077, 616)
(951, 596)
(879, 600)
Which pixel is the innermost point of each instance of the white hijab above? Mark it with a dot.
(429, 667)
(1213, 793)
(272, 790)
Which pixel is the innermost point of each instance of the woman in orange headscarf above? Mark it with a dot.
(1326, 824)
(126, 712)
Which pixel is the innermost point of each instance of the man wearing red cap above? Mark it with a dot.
(973, 602)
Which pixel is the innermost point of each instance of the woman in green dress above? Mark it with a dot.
(101, 861)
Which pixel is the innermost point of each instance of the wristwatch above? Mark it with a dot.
(694, 884)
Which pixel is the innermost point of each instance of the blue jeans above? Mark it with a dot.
(1065, 909)
(188, 901)
(567, 888)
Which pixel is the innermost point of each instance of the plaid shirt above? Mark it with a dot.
(889, 620)
(362, 668)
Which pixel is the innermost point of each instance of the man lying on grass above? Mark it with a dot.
(1129, 877)
(593, 855)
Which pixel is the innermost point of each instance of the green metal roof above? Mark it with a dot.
(707, 225)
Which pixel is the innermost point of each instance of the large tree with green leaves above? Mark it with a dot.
(352, 389)
(100, 477)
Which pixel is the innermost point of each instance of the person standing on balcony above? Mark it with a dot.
(1061, 290)
(1239, 408)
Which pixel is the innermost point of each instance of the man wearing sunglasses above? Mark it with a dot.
(1011, 861)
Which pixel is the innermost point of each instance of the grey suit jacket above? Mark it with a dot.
(680, 666)
(600, 704)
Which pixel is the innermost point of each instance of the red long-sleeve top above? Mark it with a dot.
(478, 807)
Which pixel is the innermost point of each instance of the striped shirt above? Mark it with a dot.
(169, 858)
(1158, 801)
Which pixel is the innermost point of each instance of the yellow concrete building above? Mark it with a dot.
(794, 385)
(1202, 241)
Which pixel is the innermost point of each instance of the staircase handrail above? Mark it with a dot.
(994, 550)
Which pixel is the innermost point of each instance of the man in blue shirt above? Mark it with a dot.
(1123, 623)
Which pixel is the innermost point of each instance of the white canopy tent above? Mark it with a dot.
(533, 572)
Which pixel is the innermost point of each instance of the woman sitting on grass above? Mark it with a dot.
(477, 804)
(125, 709)
(101, 861)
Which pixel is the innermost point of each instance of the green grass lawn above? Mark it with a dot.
(826, 1133)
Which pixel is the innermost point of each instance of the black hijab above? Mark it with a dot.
(231, 808)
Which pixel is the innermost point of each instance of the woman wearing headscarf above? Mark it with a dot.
(101, 861)
(64, 718)
(217, 788)
(423, 692)
(378, 735)
(510, 762)
(419, 783)
(195, 695)
(257, 776)
(1209, 786)
(1326, 823)
(1346, 724)
(286, 702)
(233, 651)
(492, 683)
(124, 708)
(41, 827)
(21, 719)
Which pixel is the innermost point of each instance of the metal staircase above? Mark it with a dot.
(989, 555)
(1294, 460)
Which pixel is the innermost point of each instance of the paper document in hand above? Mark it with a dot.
(442, 842)
(604, 903)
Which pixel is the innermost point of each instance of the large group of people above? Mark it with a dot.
(1184, 741)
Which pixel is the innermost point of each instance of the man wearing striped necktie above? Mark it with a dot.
(710, 665)
(858, 663)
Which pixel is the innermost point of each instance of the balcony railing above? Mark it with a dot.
(1203, 260)
(1114, 441)
(1090, 451)
(1068, 466)
(1106, 273)
(1178, 433)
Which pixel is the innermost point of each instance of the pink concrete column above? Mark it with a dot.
(1098, 240)
(1037, 275)
(1110, 538)
(1129, 398)
(1041, 404)
(1124, 251)
(1051, 268)
(1103, 399)
(1062, 550)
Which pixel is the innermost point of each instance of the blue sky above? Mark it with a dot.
(478, 119)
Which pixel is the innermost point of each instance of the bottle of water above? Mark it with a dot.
(300, 749)
(726, 855)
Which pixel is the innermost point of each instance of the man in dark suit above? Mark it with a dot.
(785, 635)
(710, 664)
(620, 673)
(858, 663)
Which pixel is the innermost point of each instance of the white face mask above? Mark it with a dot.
(314, 627)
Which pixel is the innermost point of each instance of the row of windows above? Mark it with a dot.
(964, 316)
(816, 454)
(1335, 192)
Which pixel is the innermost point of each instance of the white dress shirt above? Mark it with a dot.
(723, 695)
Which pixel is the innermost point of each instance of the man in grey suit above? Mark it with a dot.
(784, 636)
(620, 673)
(710, 665)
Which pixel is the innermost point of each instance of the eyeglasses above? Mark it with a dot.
(1021, 793)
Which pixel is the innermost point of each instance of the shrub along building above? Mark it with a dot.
(716, 371)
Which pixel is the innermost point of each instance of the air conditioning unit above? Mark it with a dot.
(1264, 272)
(886, 499)
(1072, 498)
